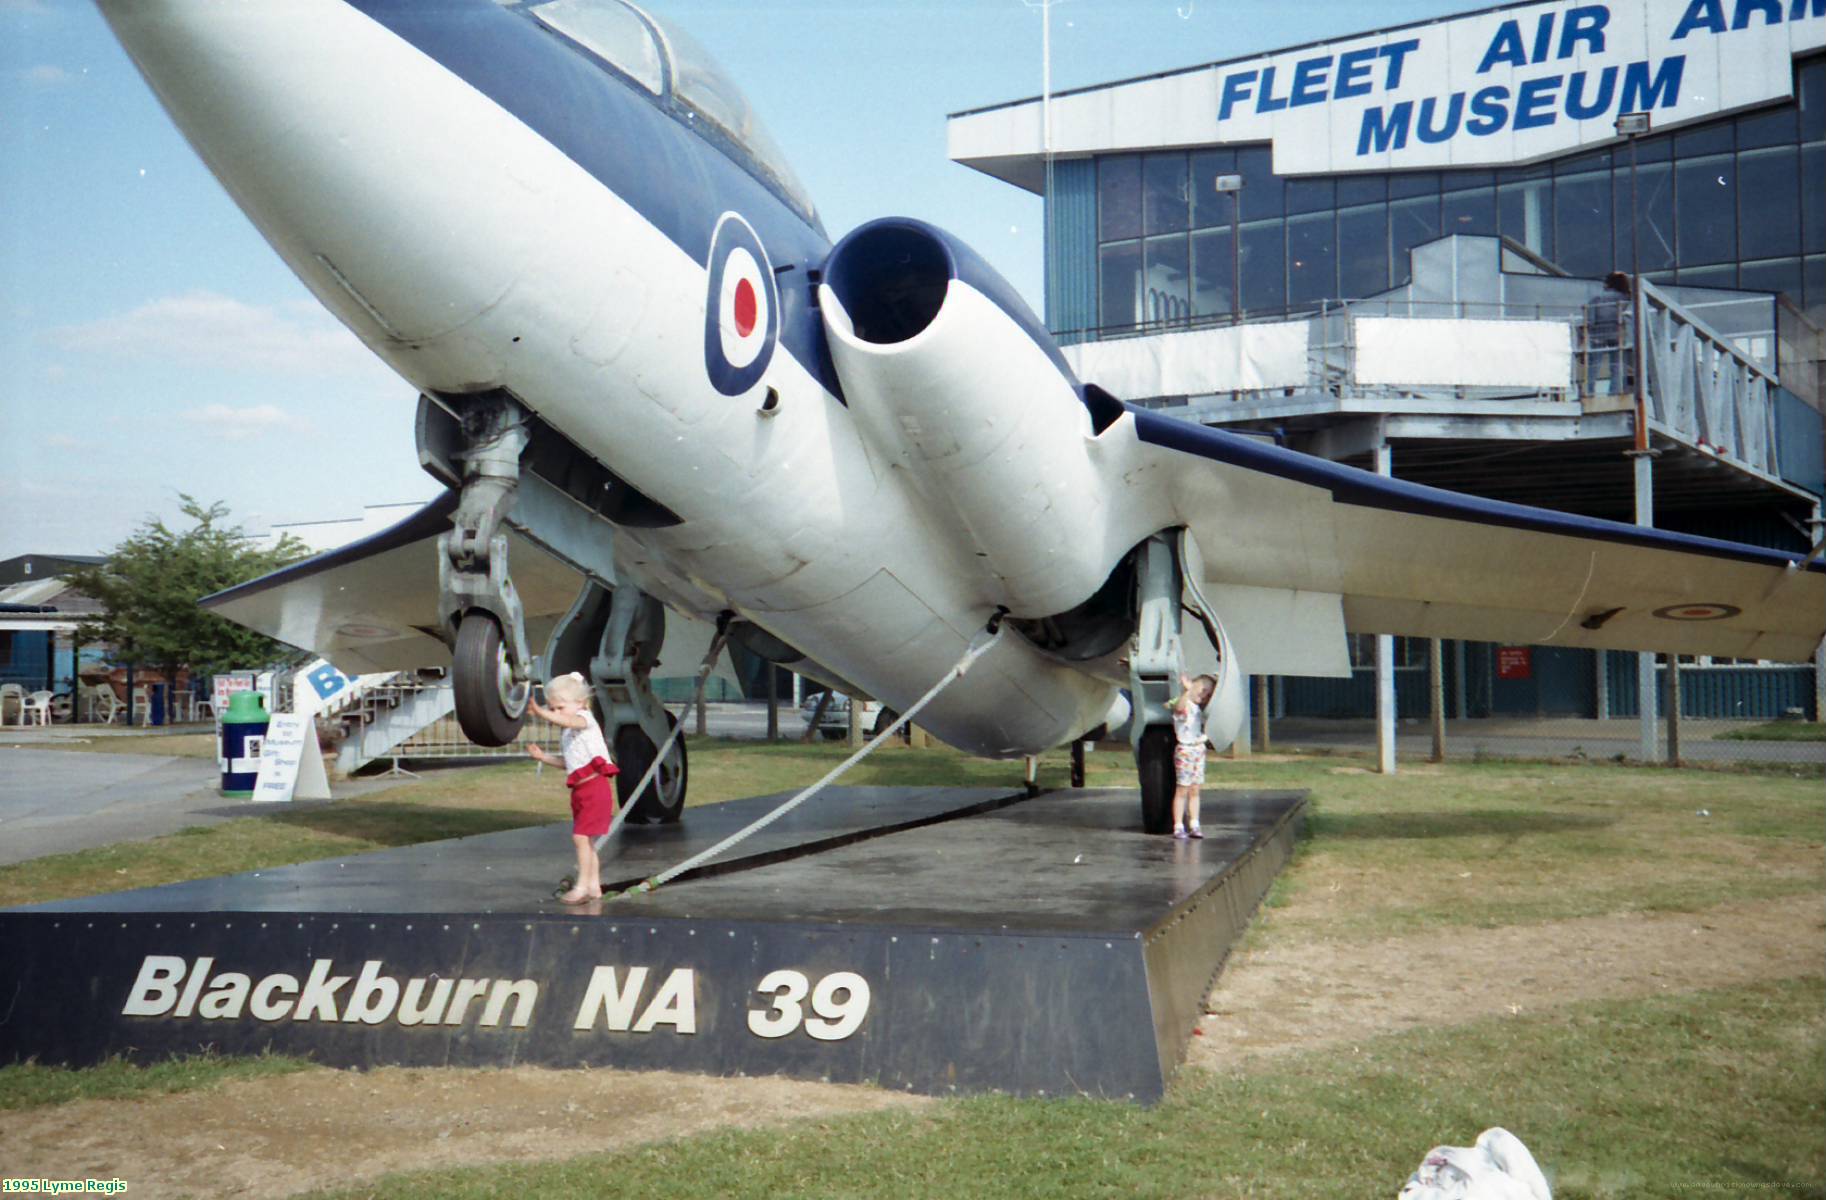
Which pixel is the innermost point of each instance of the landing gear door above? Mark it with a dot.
(1208, 651)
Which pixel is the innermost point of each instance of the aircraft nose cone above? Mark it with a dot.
(350, 151)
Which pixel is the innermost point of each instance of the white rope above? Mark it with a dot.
(979, 646)
(646, 781)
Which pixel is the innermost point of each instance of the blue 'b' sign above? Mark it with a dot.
(328, 681)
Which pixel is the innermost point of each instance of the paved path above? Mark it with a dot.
(55, 801)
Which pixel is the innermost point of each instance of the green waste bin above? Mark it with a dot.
(243, 732)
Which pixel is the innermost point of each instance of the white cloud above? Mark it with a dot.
(240, 424)
(46, 75)
(212, 330)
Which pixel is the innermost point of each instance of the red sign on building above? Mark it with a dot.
(1514, 662)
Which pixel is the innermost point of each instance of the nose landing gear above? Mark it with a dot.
(483, 621)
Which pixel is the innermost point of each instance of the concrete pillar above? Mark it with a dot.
(1385, 660)
(1241, 748)
(773, 703)
(1645, 662)
(1818, 528)
(1601, 684)
(1436, 696)
(1673, 710)
(855, 722)
(1261, 713)
(1460, 707)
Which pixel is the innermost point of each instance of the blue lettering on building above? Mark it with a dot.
(1353, 72)
(1640, 93)
(1708, 16)
(1309, 81)
(1237, 87)
(1266, 100)
(1534, 102)
(1581, 109)
(1489, 111)
(1537, 103)
(1396, 53)
(1582, 26)
(1427, 131)
(1385, 131)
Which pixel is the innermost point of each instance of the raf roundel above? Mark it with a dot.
(742, 309)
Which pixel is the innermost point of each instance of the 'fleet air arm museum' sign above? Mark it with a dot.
(1505, 85)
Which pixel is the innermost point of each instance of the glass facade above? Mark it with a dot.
(1739, 202)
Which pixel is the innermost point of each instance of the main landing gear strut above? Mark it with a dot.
(492, 668)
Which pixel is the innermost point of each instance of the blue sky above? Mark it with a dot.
(153, 344)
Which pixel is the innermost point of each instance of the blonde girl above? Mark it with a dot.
(1189, 752)
(585, 757)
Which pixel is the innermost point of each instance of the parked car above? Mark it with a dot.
(835, 723)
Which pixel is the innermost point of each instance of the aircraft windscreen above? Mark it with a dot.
(612, 32)
(703, 87)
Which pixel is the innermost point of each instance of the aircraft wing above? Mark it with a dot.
(1297, 550)
(372, 605)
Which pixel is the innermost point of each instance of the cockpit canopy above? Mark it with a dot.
(671, 65)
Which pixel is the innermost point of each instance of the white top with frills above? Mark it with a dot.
(583, 746)
(1189, 726)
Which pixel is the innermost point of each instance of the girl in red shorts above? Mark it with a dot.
(588, 772)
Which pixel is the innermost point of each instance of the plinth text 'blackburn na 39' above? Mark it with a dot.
(651, 383)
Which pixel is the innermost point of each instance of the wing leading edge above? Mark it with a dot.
(1407, 559)
(372, 605)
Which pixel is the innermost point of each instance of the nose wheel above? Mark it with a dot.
(490, 703)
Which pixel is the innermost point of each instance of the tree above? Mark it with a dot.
(150, 584)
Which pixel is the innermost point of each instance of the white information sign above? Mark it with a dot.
(291, 764)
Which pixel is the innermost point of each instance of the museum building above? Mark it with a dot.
(1392, 249)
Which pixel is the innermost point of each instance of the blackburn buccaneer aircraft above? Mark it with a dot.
(652, 384)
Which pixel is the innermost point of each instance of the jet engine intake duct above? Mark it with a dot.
(950, 379)
(891, 278)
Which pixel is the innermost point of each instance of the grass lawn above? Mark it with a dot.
(1658, 1096)
(32, 1085)
(1664, 1097)
(1779, 731)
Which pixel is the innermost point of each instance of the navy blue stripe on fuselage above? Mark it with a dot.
(1349, 485)
(616, 131)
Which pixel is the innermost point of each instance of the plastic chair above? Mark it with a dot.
(106, 706)
(37, 707)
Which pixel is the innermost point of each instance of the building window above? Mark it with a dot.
(1211, 207)
(1732, 202)
(1312, 259)
(1212, 273)
(1769, 202)
(6, 648)
(1472, 212)
(1264, 267)
(1582, 216)
(1705, 208)
(1654, 216)
(1363, 259)
(1410, 653)
(1118, 197)
(1119, 283)
(1165, 206)
(1165, 270)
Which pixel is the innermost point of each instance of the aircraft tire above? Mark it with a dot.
(664, 802)
(1154, 764)
(486, 708)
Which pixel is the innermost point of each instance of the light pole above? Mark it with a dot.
(1632, 126)
(1233, 185)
